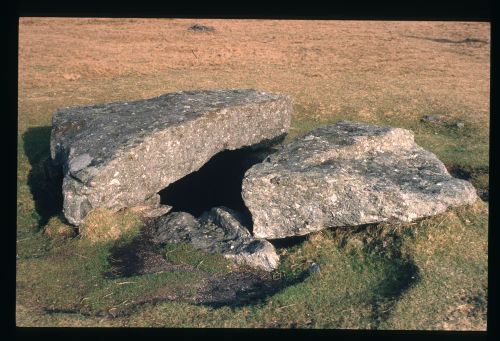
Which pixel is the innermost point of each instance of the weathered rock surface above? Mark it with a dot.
(348, 174)
(217, 231)
(152, 207)
(118, 155)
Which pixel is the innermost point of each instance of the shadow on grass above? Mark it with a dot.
(233, 290)
(244, 287)
(403, 276)
(474, 176)
(240, 289)
(46, 192)
(139, 257)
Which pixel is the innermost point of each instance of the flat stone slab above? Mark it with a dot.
(348, 174)
(219, 230)
(121, 154)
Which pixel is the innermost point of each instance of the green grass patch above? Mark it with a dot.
(355, 288)
(342, 295)
(185, 254)
(71, 277)
(451, 254)
(431, 274)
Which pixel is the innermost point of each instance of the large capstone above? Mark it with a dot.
(348, 174)
(119, 155)
(219, 230)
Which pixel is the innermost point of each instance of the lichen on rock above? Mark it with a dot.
(219, 230)
(348, 174)
(117, 155)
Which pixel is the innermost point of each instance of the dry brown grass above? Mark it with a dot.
(361, 68)
(57, 228)
(102, 225)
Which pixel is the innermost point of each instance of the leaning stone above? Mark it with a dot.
(348, 174)
(118, 155)
(217, 231)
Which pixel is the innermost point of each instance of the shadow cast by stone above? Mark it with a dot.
(139, 257)
(392, 289)
(217, 183)
(241, 287)
(46, 191)
(469, 174)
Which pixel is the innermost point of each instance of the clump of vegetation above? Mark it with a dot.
(102, 225)
(57, 228)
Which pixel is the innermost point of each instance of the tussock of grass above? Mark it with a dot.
(102, 225)
(58, 228)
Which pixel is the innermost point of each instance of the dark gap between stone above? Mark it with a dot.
(288, 241)
(217, 183)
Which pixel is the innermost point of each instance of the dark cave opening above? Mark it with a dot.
(217, 183)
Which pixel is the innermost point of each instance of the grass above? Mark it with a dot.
(103, 225)
(80, 282)
(430, 274)
(452, 258)
(355, 288)
(185, 254)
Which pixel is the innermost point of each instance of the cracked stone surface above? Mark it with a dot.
(348, 174)
(217, 231)
(118, 155)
